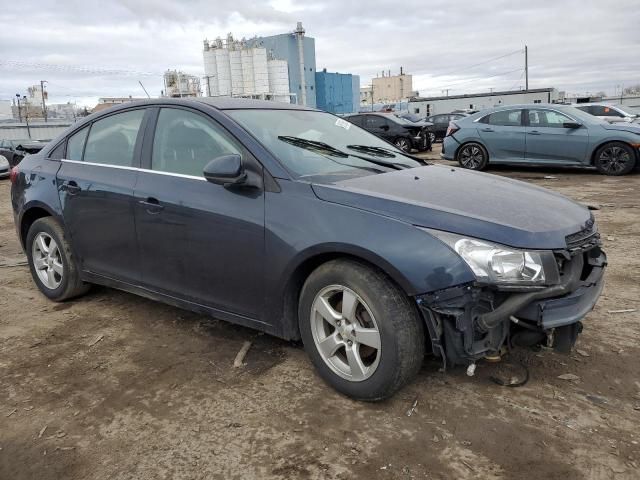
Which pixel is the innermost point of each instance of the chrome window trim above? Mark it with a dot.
(135, 169)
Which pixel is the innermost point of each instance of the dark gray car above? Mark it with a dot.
(300, 224)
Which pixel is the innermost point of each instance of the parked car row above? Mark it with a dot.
(542, 134)
(403, 133)
(303, 225)
(15, 150)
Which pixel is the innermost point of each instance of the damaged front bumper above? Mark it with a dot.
(473, 321)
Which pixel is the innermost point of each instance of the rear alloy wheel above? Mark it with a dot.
(403, 144)
(52, 265)
(615, 158)
(473, 156)
(362, 333)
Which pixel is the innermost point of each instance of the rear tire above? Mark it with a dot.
(615, 158)
(51, 262)
(373, 343)
(473, 156)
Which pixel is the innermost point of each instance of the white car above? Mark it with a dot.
(4, 167)
(610, 113)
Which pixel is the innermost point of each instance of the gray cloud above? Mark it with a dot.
(576, 45)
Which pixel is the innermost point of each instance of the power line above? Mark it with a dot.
(520, 50)
(444, 87)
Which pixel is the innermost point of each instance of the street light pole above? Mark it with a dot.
(44, 106)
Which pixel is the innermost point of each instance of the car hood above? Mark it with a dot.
(622, 127)
(461, 201)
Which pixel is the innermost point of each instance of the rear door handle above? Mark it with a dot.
(534, 132)
(71, 187)
(152, 205)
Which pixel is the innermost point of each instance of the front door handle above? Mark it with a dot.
(534, 132)
(488, 130)
(71, 187)
(152, 205)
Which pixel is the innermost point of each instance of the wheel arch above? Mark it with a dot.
(592, 156)
(32, 213)
(306, 264)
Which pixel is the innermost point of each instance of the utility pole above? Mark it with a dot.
(44, 106)
(446, 90)
(526, 68)
(19, 110)
(26, 115)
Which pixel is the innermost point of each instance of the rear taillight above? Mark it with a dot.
(13, 175)
(453, 128)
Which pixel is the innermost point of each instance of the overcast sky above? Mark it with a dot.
(89, 48)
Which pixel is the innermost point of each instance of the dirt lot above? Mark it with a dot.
(115, 386)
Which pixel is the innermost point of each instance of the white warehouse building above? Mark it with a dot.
(239, 69)
(428, 106)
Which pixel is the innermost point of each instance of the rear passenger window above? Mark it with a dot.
(75, 144)
(185, 142)
(508, 118)
(112, 140)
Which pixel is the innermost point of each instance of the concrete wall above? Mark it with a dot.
(36, 131)
(284, 47)
(431, 106)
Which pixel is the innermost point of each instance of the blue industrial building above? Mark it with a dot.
(286, 47)
(337, 92)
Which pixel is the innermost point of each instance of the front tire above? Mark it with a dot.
(473, 156)
(362, 333)
(615, 158)
(52, 265)
(403, 144)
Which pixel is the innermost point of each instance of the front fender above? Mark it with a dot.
(299, 225)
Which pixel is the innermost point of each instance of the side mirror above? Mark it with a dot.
(571, 125)
(225, 170)
(384, 127)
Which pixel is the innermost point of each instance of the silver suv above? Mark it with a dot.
(610, 113)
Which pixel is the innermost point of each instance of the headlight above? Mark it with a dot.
(494, 263)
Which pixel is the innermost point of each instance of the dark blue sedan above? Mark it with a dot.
(300, 224)
(544, 135)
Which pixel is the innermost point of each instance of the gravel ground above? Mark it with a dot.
(115, 386)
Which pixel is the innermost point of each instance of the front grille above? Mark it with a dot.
(584, 240)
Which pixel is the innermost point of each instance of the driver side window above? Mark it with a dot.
(185, 142)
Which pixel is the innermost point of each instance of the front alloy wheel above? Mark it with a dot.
(363, 334)
(403, 144)
(615, 158)
(345, 333)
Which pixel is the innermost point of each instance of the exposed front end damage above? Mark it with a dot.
(474, 321)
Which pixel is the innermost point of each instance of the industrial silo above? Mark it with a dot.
(210, 70)
(279, 80)
(246, 55)
(235, 61)
(224, 71)
(260, 72)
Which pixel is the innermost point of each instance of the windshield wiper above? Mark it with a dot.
(313, 145)
(380, 151)
(386, 152)
(326, 148)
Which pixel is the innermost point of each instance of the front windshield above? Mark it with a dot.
(318, 144)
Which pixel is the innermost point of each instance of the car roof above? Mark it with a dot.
(231, 103)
